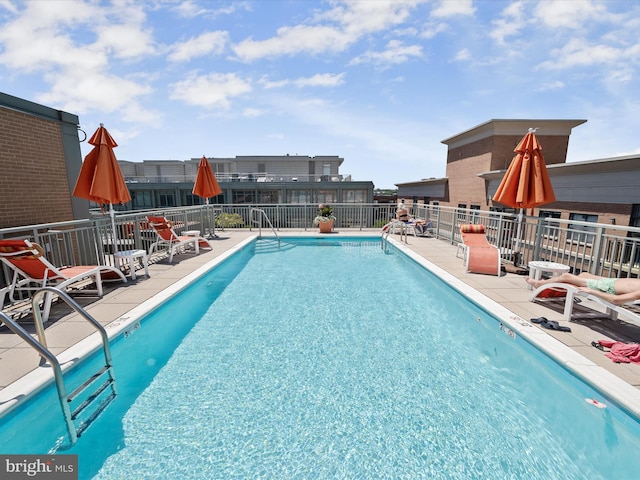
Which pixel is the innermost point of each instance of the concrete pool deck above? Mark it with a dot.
(18, 361)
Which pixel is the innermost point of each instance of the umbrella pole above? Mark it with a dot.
(114, 237)
(518, 234)
(212, 230)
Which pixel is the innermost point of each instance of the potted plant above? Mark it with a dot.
(325, 218)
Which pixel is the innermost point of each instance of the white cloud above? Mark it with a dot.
(395, 52)
(573, 14)
(431, 29)
(318, 80)
(193, 9)
(449, 8)
(125, 41)
(293, 40)
(268, 84)
(580, 53)
(97, 92)
(189, 9)
(213, 90)
(462, 55)
(205, 44)
(512, 22)
(8, 5)
(321, 80)
(557, 85)
(347, 23)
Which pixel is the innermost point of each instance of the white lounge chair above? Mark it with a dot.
(32, 270)
(570, 293)
(168, 238)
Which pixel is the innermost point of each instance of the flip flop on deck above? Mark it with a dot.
(550, 324)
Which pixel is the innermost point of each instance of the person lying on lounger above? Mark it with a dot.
(422, 226)
(614, 290)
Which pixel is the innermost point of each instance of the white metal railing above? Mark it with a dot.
(602, 249)
(241, 177)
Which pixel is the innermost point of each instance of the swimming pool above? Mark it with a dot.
(309, 362)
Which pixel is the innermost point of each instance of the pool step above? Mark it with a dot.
(90, 399)
(267, 245)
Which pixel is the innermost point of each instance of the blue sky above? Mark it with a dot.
(379, 83)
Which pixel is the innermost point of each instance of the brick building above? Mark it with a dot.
(40, 160)
(600, 191)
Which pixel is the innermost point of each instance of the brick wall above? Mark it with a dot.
(465, 187)
(464, 163)
(33, 185)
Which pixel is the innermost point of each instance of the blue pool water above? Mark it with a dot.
(333, 359)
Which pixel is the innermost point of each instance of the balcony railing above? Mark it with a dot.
(601, 249)
(239, 177)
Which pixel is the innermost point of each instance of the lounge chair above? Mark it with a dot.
(168, 238)
(32, 270)
(410, 227)
(478, 254)
(424, 230)
(571, 295)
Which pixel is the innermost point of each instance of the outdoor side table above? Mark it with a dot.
(131, 256)
(537, 268)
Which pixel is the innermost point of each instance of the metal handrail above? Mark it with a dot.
(259, 222)
(57, 371)
(40, 346)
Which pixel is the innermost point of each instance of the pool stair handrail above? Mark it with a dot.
(258, 221)
(40, 345)
(390, 228)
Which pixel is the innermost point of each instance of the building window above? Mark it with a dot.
(462, 212)
(474, 213)
(299, 196)
(550, 228)
(141, 199)
(166, 199)
(191, 199)
(269, 196)
(634, 221)
(243, 196)
(354, 196)
(581, 233)
(326, 196)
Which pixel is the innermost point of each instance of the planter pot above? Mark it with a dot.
(326, 227)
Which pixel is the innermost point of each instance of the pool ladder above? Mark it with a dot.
(391, 226)
(258, 221)
(65, 399)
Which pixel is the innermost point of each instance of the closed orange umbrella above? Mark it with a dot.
(100, 179)
(206, 184)
(526, 183)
